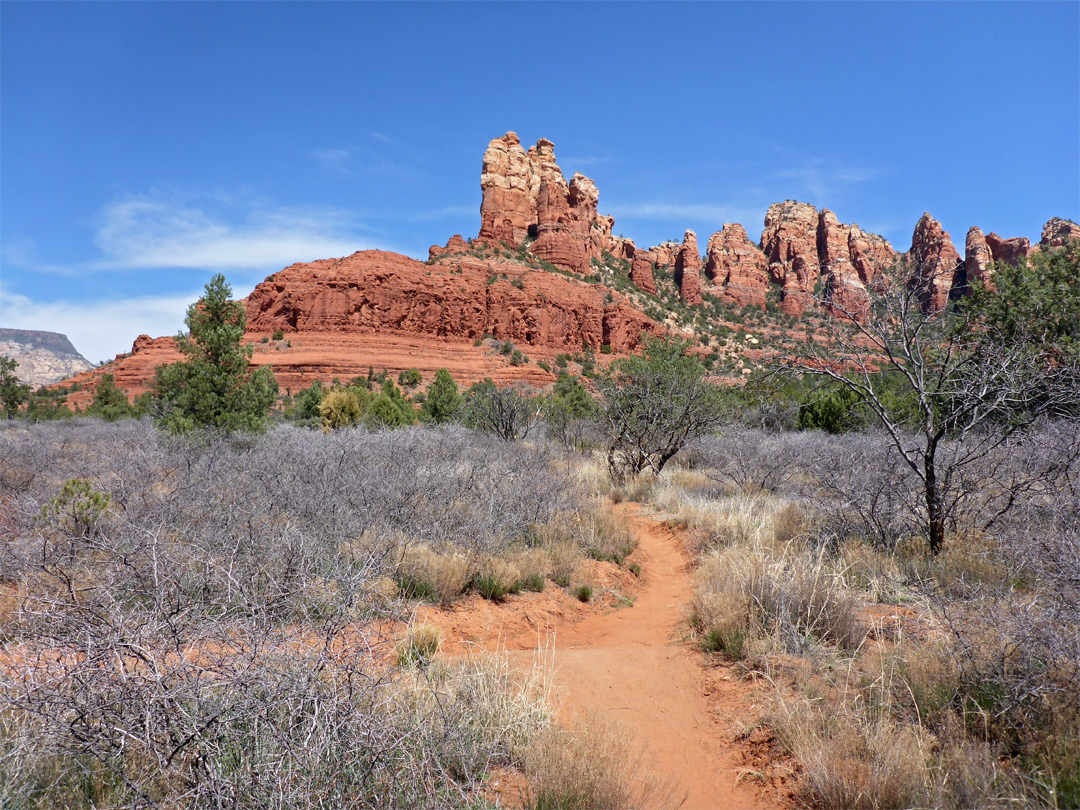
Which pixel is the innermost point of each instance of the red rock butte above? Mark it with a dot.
(530, 277)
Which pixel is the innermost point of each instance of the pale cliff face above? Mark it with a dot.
(43, 357)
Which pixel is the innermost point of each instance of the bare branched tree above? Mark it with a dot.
(509, 413)
(966, 382)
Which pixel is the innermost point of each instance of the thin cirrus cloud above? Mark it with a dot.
(335, 160)
(821, 180)
(385, 157)
(145, 233)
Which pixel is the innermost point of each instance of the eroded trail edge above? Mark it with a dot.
(630, 664)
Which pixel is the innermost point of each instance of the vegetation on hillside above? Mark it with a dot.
(889, 544)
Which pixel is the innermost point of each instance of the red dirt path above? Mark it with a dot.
(631, 665)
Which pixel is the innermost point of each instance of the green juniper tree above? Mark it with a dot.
(443, 402)
(13, 392)
(214, 387)
(110, 402)
(569, 411)
(653, 405)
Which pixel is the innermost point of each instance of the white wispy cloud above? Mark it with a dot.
(575, 162)
(670, 212)
(378, 154)
(335, 160)
(150, 233)
(99, 329)
(820, 178)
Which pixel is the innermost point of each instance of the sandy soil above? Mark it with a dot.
(630, 664)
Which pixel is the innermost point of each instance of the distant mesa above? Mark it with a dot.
(532, 276)
(43, 357)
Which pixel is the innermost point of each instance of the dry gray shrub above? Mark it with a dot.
(192, 623)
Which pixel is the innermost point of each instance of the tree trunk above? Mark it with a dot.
(935, 513)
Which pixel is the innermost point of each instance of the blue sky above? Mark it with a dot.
(146, 146)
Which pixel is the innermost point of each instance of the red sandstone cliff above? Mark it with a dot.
(525, 195)
(737, 267)
(390, 311)
(688, 270)
(934, 263)
(466, 297)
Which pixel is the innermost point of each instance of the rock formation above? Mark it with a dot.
(510, 181)
(389, 311)
(526, 195)
(1009, 251)
(665, 253)
(378, 292)
(869, 253)
(455, 244)
(844, 286)
(688, 270)
(934, 263)
(737, 266)
(620, 248)
(980, 252)
(641, 267)
(978, 259)
(1056, 231)
(562, 232)
(789, 242)
(43, 357)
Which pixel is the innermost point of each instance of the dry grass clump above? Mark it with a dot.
(565, 556)
(794, 599)
(551, 550)
(605, 536)
(419, 646)
(494, 714)
(534, 566)
(592, 766)
(869, 569)
(862, 743)
(426, 574)
(599, 533)
(748, 520)
(967, 561)
(498, 577)
(852, 761)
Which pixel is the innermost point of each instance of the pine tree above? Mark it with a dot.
(213, 388)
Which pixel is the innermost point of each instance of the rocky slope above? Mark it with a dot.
(456, 295)
(43, 357)
(546, 272)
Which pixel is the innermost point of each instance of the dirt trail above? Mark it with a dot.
(630, 665)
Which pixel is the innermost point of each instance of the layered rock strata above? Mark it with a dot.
(460, 297)
(641, 270)
(526, 196)
(1057, 231)
(737, 267)
(935, 263)
(789, 242)
(844, 288)
(688, 270)
(981, 252)
(43, 357)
